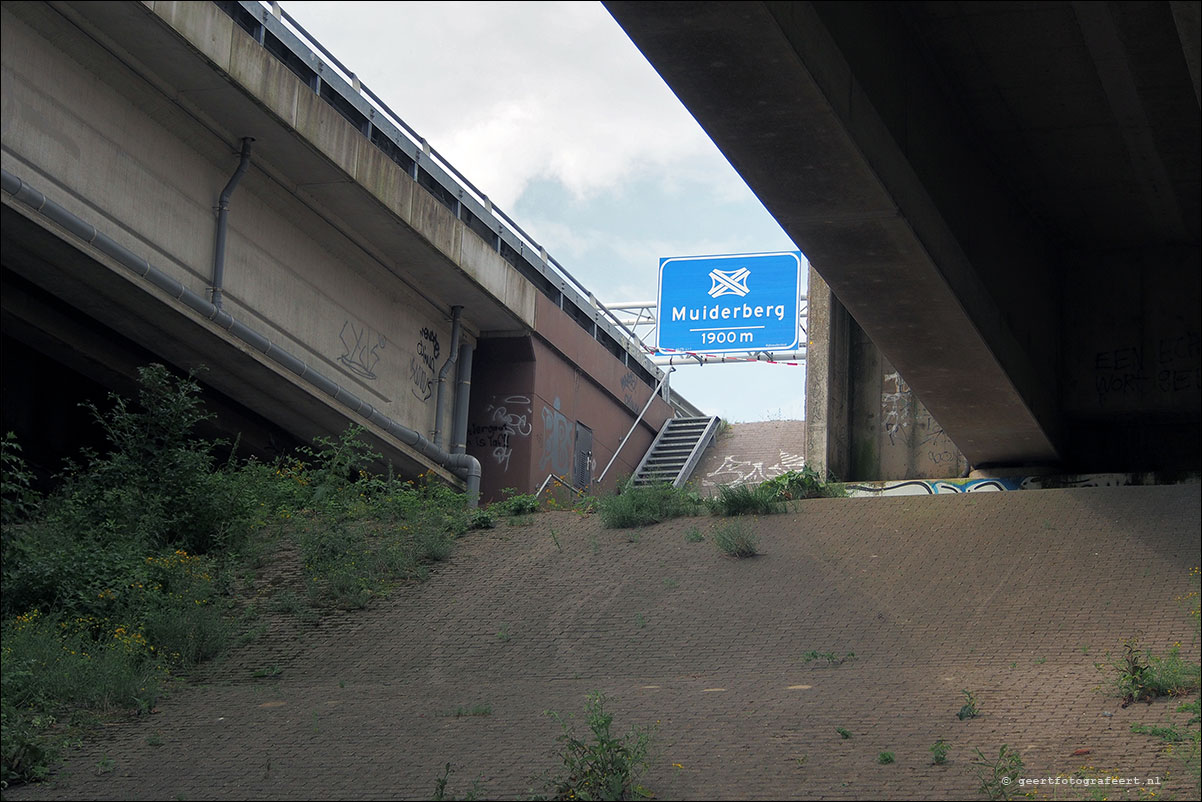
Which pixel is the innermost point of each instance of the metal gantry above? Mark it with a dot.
(642, 317)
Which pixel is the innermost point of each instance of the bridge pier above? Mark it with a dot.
(863, 421)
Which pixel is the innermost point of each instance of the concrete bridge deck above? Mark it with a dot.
(1012, 595)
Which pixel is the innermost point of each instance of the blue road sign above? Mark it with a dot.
(724, 304)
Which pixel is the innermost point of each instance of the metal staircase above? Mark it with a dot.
(676, 450)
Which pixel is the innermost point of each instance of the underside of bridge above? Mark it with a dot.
(1004, 196)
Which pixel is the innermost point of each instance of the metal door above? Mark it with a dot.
(582, 459)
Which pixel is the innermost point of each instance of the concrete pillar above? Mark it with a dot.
(827, 386)
(863, 422)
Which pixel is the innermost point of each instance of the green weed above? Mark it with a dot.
(734, 539)
(601, 765)
(440, 787)
(693, 535)
(885, 758)
(746, 500)
(644, 505)
(999, 777)
(475, 711)
(969, 709)
(939, 751)
(806, 483)
(1140, 674)
(830, 658)
(514, 504)
(1165, 733)
(844, 733)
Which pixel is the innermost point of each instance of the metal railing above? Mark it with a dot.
(327, 69)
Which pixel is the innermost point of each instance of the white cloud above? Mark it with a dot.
(511, 92)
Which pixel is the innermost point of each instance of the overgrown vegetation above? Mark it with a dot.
(1141, 675)
(601, 765)
(643, 505)
(806, 483)
(746, 500)
(515, 503)
(123, 576)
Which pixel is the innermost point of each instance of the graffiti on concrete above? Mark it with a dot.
(360, 349)
(421, 364)
(1169, 367)
(922, 487)
(629, 382)
(736, 471)
(557, 441)
(908, 424)
(508, 418)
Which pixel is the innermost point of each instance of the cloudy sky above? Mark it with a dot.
(549, 109)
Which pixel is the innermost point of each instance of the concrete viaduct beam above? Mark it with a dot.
(974, 184)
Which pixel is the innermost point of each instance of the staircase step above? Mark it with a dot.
(676, 451)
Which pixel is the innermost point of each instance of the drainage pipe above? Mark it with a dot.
(464, 466)
(223, 211)
(440, 396)
(463, 394)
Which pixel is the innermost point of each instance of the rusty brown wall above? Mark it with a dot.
(529, 393)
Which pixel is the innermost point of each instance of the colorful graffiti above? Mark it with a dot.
(923, 487)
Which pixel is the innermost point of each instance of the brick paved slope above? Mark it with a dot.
(1012, 595)
(749, 453)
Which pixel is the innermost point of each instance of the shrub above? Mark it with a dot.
(805, 483)
(643, 505)
(734, 540)
(121, 574)
(515, 503)
(18, 499)
(605, 766)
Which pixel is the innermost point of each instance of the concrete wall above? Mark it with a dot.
(130, 116)
(151, 181)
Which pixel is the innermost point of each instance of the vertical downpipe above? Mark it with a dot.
(463, 395)
(440, 396)
(223, 210)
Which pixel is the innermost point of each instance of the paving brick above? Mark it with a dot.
(1012, 595)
